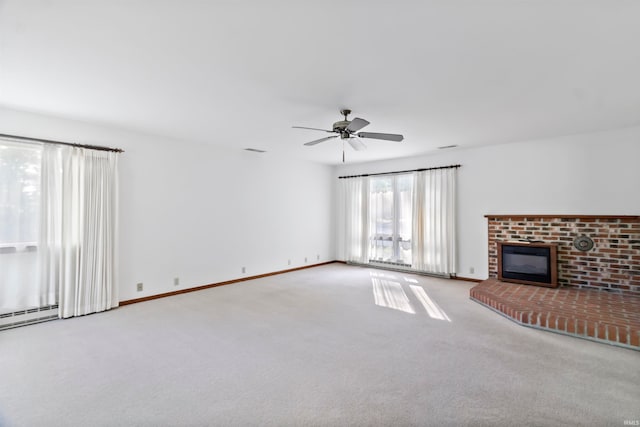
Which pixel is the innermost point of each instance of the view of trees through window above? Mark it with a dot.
(19, 194)
(390, 213)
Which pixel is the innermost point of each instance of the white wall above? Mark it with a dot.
(596, 173)
(199, 212)
(202, 213)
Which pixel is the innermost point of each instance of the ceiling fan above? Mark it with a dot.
(346, 129)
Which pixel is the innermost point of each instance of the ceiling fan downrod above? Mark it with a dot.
(343, 150)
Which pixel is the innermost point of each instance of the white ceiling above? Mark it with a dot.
(241, 73)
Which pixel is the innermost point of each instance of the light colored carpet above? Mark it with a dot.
(312, 347)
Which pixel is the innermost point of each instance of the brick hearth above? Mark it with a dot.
(591, 314)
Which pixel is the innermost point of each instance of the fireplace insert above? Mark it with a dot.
(528, 263)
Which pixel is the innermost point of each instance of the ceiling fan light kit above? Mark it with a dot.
(347, 131)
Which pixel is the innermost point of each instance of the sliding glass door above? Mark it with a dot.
(390, 214)
(403, 219)
(58, 230)
(19, 226)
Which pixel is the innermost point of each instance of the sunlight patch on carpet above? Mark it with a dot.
(433, 310)
(387, 293)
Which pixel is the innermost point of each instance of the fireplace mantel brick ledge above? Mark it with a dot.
(599, 294)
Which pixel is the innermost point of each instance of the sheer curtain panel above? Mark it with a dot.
(19, 225)
(79, 228)
(434, 221)
(355, 193)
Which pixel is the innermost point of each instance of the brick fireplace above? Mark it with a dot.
(612, 264)
(579, 307)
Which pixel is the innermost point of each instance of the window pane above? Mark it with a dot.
(19, 193)
(390, 218)
(19, 226)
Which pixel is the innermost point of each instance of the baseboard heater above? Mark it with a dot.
(394, 266)
(28, 317)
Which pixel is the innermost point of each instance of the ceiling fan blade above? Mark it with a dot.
(356, 144)
(318, 141)
(302, 127)
(357, 124)
(385, 136)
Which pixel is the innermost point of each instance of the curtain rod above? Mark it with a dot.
(396, 172)
(71, 144)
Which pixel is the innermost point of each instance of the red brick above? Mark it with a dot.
(622, 336)
(635, 338)
(549, 320)
(601, 331)
(561, 323)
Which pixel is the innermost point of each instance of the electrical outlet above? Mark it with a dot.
(289, 262)
(471, 270)
(305, 259)
(139, 287)
(176, 281)
(318, 257)
(244, 270)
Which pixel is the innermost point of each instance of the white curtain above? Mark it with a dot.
(79, 228)
(434, 221)
(19, 225)
(355, 193)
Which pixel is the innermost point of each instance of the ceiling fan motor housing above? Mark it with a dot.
(341, 125)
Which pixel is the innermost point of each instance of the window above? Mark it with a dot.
(404, 219)
(19, 195)
(58, 228)
(19, 225)
(391, 219)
